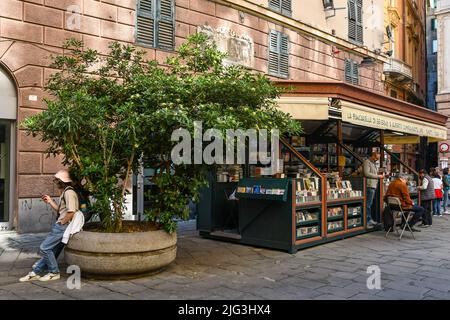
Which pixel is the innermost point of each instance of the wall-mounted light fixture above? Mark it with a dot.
(241, 16)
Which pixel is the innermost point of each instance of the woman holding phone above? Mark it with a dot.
(68, 205)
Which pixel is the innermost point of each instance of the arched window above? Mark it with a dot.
(8, 97)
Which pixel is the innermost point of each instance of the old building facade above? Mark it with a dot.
(297, 40)
(443, 72)
(405, 72)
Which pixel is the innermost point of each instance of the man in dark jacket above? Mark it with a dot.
(399, 189)
(427, 195)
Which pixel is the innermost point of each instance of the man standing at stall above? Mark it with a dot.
(426, 196)
(370, 171)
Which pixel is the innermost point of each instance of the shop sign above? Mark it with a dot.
(240, 48)
(368, 117)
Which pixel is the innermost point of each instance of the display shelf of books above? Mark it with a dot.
(263, 188)
(335, 226)
(354, 217)
(340, 190)
(308, 223)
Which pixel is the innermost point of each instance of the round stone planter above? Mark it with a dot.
(103, 255)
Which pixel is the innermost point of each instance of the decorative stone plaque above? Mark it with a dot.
(240, 48)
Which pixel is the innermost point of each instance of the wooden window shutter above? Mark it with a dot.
(278, 54)
(284, 56)
(166, 25)
(275, 5)
(273, 53)
(359, 21)
(355, 73)
(145, 33)
(348, 71)
(286, 7)
(352, 20)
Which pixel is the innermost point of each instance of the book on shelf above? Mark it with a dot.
(354, 211)
(335, 212)
(305, 231)
(335, 225)
(304, 216)
(307, 190)
(354, 222)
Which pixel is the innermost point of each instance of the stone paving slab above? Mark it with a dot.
(208, 269)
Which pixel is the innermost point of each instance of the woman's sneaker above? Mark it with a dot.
(30, 277)
(50, 277)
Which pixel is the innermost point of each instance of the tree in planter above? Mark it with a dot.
(107, 112)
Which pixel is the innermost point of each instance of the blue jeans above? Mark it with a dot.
(437, 207)
(445, 191)
(48, 249)
(370, 195)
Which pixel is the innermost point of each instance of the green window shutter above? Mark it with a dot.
(355, 73)
(145, 28)
(166, 25)
(351, 19)
(278, 54)
(284, 56)
(348, 71)
(274, 52)
(286, 7)
(282, 6)
(275, 5)
(359, 21)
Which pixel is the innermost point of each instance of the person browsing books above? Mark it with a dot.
(370, 172)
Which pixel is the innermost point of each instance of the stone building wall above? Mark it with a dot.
(33, 30)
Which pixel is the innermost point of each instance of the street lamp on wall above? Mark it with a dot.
(328, 4)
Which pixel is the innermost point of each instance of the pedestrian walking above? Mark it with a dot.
(446, 189)
(438, 191)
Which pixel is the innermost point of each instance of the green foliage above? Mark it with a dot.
(109, 111)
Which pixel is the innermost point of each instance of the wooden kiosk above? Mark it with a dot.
(318, 197)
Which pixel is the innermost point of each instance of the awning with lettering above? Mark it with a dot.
(373, 118)
(304, 108)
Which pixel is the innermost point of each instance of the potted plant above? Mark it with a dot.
(109, 113)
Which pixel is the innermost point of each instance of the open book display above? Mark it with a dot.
(308, 190)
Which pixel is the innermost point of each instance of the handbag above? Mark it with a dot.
(438, 193)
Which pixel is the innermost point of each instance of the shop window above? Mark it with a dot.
(351, 72)
(155, 24)
(282, 6)
(355, 21)
(278, 54)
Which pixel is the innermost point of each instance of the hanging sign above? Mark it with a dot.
(369, 117)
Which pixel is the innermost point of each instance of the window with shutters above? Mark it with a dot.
(156, 24)
(355, 21)
(278, 54)
(282, 6)
(351, 72)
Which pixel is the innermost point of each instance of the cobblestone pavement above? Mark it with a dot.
(207, 269)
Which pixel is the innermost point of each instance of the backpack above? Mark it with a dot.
(446, 181)
(84, 203)
(388, 219)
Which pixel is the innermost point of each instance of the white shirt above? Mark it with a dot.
(437, 183)
(75, 226)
